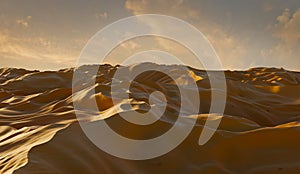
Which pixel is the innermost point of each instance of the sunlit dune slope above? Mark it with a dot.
(39, 132)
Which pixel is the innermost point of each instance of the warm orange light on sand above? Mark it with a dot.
(39, 132)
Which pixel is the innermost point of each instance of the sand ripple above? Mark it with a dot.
(39, 132)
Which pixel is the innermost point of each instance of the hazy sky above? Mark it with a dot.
(50, 34)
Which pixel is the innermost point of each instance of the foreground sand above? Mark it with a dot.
(259, 132)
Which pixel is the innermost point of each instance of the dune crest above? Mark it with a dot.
(39, 132)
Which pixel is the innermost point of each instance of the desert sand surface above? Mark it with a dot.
(39, 132)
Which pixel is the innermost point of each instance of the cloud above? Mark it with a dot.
(24, 22)
(179, 8)
(101, 15)
(130, 45)
(267, 6)
(286, 50)
(287, 28)
(33, 51)
(229, 48)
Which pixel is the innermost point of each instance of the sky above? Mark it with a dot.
(50, 34)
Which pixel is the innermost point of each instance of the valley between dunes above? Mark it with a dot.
(39, 132)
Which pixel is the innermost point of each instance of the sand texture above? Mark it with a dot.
(39, 132)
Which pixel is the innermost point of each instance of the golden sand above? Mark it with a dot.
(259, 131)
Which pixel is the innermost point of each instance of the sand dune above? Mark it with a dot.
(39, 132)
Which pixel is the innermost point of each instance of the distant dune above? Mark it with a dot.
(259, 132)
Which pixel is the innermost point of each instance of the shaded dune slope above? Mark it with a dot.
(39, 132)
